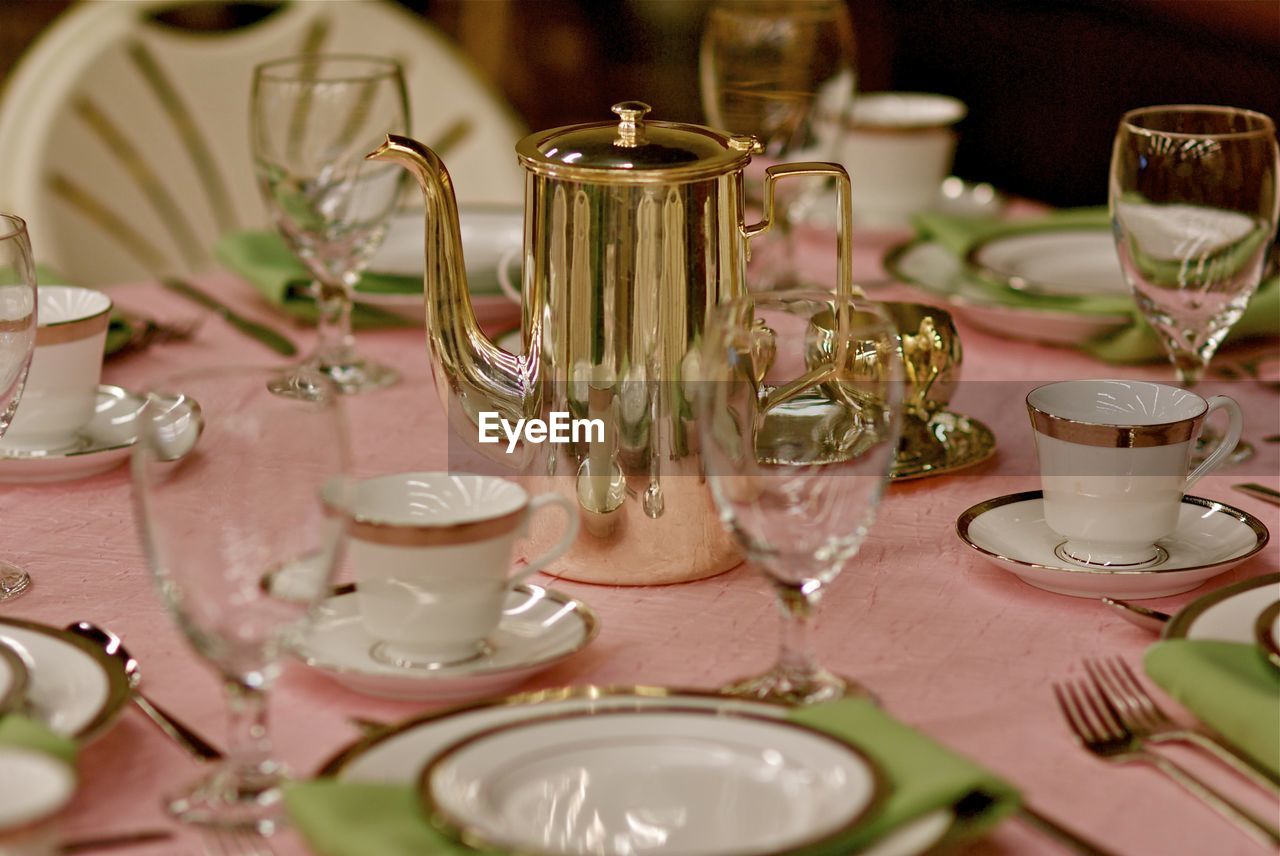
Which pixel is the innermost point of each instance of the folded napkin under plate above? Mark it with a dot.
(340, 818)
(1229, 687)
(1131, 339)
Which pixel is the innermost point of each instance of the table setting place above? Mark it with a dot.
(698, 403)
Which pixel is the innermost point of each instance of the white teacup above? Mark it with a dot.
(62, 385)
(1114, 457)
(898, 148)
(432, 555)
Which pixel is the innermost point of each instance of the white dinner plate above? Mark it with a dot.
(33, 786)
(13, 679)
(1057, 262)
(491, 235)
(398, 753)
(1211, 538)
(658, 781)
(73, 686)
(933, 268)
(1228, 614)
(102, 444)
(539, 628)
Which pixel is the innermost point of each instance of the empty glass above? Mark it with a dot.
(220, 521)
(782, 71)
(313, 120)
(17, 342)
(799, 407)
(1193, 205)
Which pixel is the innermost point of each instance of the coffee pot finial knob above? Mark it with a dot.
(631, 121)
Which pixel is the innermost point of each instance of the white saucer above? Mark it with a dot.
(33, 786)
(1211, 538)
(657, 781)
(397, 754)
(103, 444)
(539, 628)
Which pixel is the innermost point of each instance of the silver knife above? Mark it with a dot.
(264, 334)
(1259, 491)
(1144, 617)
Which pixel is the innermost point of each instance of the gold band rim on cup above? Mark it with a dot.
(1111, 436)
(427, 534)
(61, 332)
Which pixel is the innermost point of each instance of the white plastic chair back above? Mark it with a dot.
(124, 142)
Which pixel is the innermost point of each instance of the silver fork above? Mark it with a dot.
(235, 842)
(1147, 720)
(1099, 730)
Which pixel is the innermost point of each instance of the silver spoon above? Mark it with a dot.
(200, 748)
(1141, 616)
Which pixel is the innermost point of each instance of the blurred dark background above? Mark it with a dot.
(1045, 80)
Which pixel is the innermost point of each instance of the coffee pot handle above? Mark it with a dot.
(844, 227)
(1235, 423)
(562, 546)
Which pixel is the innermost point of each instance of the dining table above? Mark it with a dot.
(949, 643)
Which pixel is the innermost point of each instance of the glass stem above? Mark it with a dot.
(795, 654)
(1188, 366)
(334, 344)
(250, 741)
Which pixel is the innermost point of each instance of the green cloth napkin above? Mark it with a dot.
(263, 260)
(21, 731)
(1135, 342)
(352, 819)
(1229, 687)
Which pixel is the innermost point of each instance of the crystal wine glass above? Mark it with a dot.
(219, 520)
(799, 410)
(1194, 201)
(782, 71)
(18, 308)
(313, 120)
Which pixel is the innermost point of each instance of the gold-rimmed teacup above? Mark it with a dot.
(62, 384)
(1115, 462)
(432, 554)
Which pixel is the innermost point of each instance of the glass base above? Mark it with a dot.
(351, 378)
(784, 686)
(231, 798)
(13, 581)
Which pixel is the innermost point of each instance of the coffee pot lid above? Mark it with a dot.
(634, 150)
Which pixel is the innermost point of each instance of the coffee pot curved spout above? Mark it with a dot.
(472, 374)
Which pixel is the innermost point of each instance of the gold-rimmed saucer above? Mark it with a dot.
(962, 442)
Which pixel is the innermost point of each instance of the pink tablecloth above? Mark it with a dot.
(950, 644)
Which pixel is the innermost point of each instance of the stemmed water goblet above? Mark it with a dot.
(799, 407)
(222, 521)
(783, 72)
(18, 308)
(313, 119)
(1194, 202)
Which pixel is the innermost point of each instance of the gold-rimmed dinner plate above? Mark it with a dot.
(1211, 538)
(397, 753)
(963, 442)
(663, 780)
(1267, 631)
(935, 269)
(1053, 261)
(13, 679)
(1227, 614)
(73, 686)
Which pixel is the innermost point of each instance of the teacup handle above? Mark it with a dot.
(509, 290)
(1235, 424)
(562, 546)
